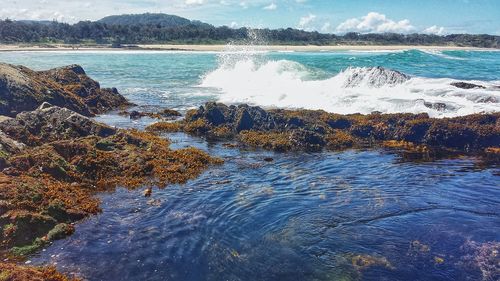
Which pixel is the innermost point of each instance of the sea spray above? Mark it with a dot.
(249, 76)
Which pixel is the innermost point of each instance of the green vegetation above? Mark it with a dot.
(162, 29)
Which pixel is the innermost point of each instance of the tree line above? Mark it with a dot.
(102, 33)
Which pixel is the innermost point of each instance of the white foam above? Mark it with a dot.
(439, 53)
(288, 84)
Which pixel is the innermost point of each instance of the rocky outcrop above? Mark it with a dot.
(54, 158)
(22, 89)
(374, 77)
(163, 114)
(280, 129)
(467, 86)
(50, 123)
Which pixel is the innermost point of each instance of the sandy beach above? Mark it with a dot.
(218, 48)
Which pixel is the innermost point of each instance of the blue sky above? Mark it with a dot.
(333, 16)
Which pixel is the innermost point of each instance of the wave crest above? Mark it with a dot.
(289, 84)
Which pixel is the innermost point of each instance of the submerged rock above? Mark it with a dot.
(23, 89)
(483, 257)
(363, 262)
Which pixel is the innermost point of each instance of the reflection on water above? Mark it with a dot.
(355, 215)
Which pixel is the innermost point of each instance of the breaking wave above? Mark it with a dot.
(289, 84)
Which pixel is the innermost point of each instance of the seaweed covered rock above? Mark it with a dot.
(11, 271)
(51, 181)
(162, 114)
(282, 130)
(45, 187)
(23, 89)
(49, 123)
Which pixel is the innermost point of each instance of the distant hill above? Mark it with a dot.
(162, 20)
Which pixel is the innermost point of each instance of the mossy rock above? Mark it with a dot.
(105, 145)
(27, 250)
(30, 226)
(60, 231)
(57, 210)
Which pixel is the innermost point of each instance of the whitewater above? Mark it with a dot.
(413, 81)
(253, 79)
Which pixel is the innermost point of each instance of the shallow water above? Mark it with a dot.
(302, 216)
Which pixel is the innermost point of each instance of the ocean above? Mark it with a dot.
(351, 215)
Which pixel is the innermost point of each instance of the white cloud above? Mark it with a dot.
(25, 14)
(271, 7)
(194, 2)
(306, 21)
(375, 22)
(244, 5)
(437, 30)
(233, 24)
(326, 28)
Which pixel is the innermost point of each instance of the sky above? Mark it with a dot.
(328, 16)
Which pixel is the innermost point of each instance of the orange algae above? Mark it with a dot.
(409, 146)
(164, 127)
(46, 187)
(362, 262)
(13, 272)
(267, 140)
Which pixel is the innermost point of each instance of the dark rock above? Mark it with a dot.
(170, 113)
(294, 123)
(467, 86)
(283, 130)
(307, 139)
(50, 123)
(23, 89)
(135, 115)
(214, 114)
(268, 159)
(339, 123)
(439, 106)
(244, 121)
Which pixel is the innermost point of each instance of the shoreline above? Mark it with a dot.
(220, 48)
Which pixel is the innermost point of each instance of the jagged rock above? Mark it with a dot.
(281, 130)
(374, 77)
(136, 115)
(244, 121)
(467, 86)
(22, 89)
(49, 123)
(9, 145)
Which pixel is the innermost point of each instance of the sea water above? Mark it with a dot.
(314, 80)
(304, 216)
